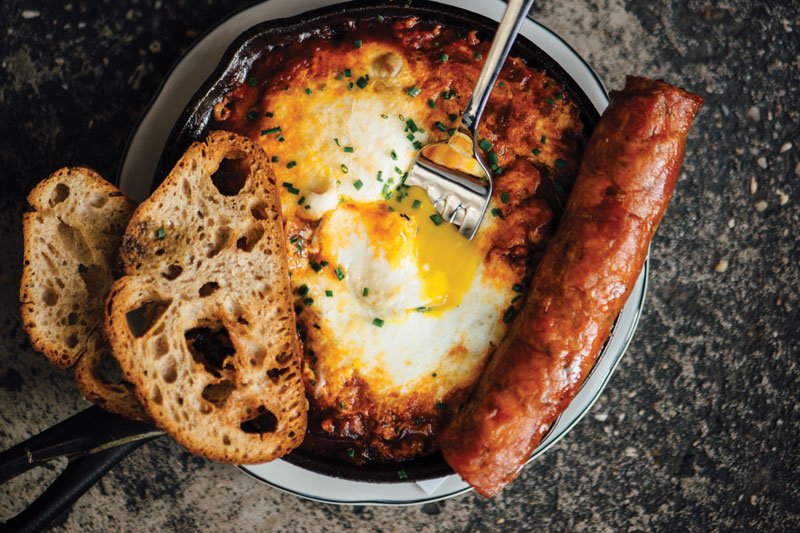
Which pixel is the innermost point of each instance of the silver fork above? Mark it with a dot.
(459, 197)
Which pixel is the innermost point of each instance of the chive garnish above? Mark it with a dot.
(516, 287)
(361, 82)
(384, 116)
(451, 132)
(413, 91)
(437, 219)
(350, 86)
(308, 90)
(544, 139)
(444, 57)
(252, 115)
(308, 301)
(280, 138)
(440, 406)
(379, 176)
(292, 190)
(329, 293)
(431, 104)
(508, 316)
(161, 233)
(559, 96)
(448, 95)
(394, 155)
(411, 125)
(276, 129)
(269, 114)
(358, 184)
(485, 145)
(478, 55)
(348, 72)
(402, 474)
(493, 159)
(275, 158)
(440, 126)
(496, 212)
(380, 18)
(365, 292)
(351, 452)
(339, 273)
(348, 149)
(357, 43)
(316, 267)
(252, 81)
(504, 197)
(417, 145)
(344, 168)
(536, 151)
(378, 322)
(324, 263)
(550, 101)
(301, 201)
(303, 290)
(561, 163)
(291, 164)
(415, 204)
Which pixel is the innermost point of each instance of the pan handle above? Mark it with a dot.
(93, 440)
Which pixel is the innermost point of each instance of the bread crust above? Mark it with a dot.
(71, 237)
(202, 321)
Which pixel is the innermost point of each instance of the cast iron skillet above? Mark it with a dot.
(95, 440)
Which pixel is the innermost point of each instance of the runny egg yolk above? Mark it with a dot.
(446, 260)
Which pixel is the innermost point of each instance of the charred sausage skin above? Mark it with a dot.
(626, 179)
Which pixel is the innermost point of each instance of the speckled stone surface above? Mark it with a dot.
(698, 428)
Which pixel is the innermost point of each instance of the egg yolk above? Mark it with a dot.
(447, 261)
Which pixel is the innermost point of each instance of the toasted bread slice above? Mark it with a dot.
(202, 321)
(71, 238)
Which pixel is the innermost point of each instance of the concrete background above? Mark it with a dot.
(698, 428)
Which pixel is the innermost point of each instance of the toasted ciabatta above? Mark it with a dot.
(202, 321)
(71, 238)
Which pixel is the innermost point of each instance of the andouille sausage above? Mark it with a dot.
(626, 179)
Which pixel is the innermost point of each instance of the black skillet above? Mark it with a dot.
(95, 440)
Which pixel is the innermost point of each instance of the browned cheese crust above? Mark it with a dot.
(624, 185)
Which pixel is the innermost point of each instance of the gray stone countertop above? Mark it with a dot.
(698, 428)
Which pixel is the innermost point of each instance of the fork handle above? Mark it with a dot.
(501, 46)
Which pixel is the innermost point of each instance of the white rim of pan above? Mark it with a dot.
(141, 157)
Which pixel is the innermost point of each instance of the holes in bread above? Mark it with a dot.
(219, 242)
(261, 211)
(172, 272)
(50, 297)
(155, 395)
(71, 341)
(251, 238)
(168, 370)
(232, 174)
(60, 193)
(72, 319)
(160, 346)
(142, 318)
(217, 393)
(211, 348)
(274, 374)
(106, 369)
(208, 288)
(226, 440)
(98, 200)
(263, 422)
(72, 240)
(93, 277)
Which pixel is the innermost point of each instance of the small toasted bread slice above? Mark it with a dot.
(71, 238)
(202, 321)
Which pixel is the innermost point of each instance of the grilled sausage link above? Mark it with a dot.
(625, 182)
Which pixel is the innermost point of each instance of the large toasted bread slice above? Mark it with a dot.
(202, 321)
(71, 238)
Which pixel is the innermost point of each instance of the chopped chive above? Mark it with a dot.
(384, 116)
(378, 322)
(357, 43)
(303, 290)
(411, 125)
(348, 149)
(508, 316)
(301, 201)
(517, 287)
(348, 72)
(402, 474)
(516, 298)
(440, 126)
(496, 212)
(338, 77)
(276, 129)
(339, 273)
(358, 184)
(422, 309)
(292, 190)
(413, 91)
(365, 292)
(291, 164)
(317, 326)
(440, 406)
(344, 168)
(394, 155)
(308, 301)
(544, 139)
(379, 176)
(361, 82)
(415, 204)
(451, 132)
(288, 184)
(417, 145)
(493, 159)
(485, 145)
(501, 84)
(280, 138)
(336, 140)
(452, 117)
(269, 114)
(437, 219)
(275, 159)
(308, 90)
(434, 375)
(329, 293)
(316, 267)
(536, 151)
(448, 95)
(550, 101)
(444, 57)
(397, 169)
(559, 96)
(504, 197)
(351, 452)
(252, 115)
(161, 233)
(323, 263)
(497, 171)
(431, 104)
(252, 81)
(561, 163)
(410, 136)
(350, 86)
(380, 18)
